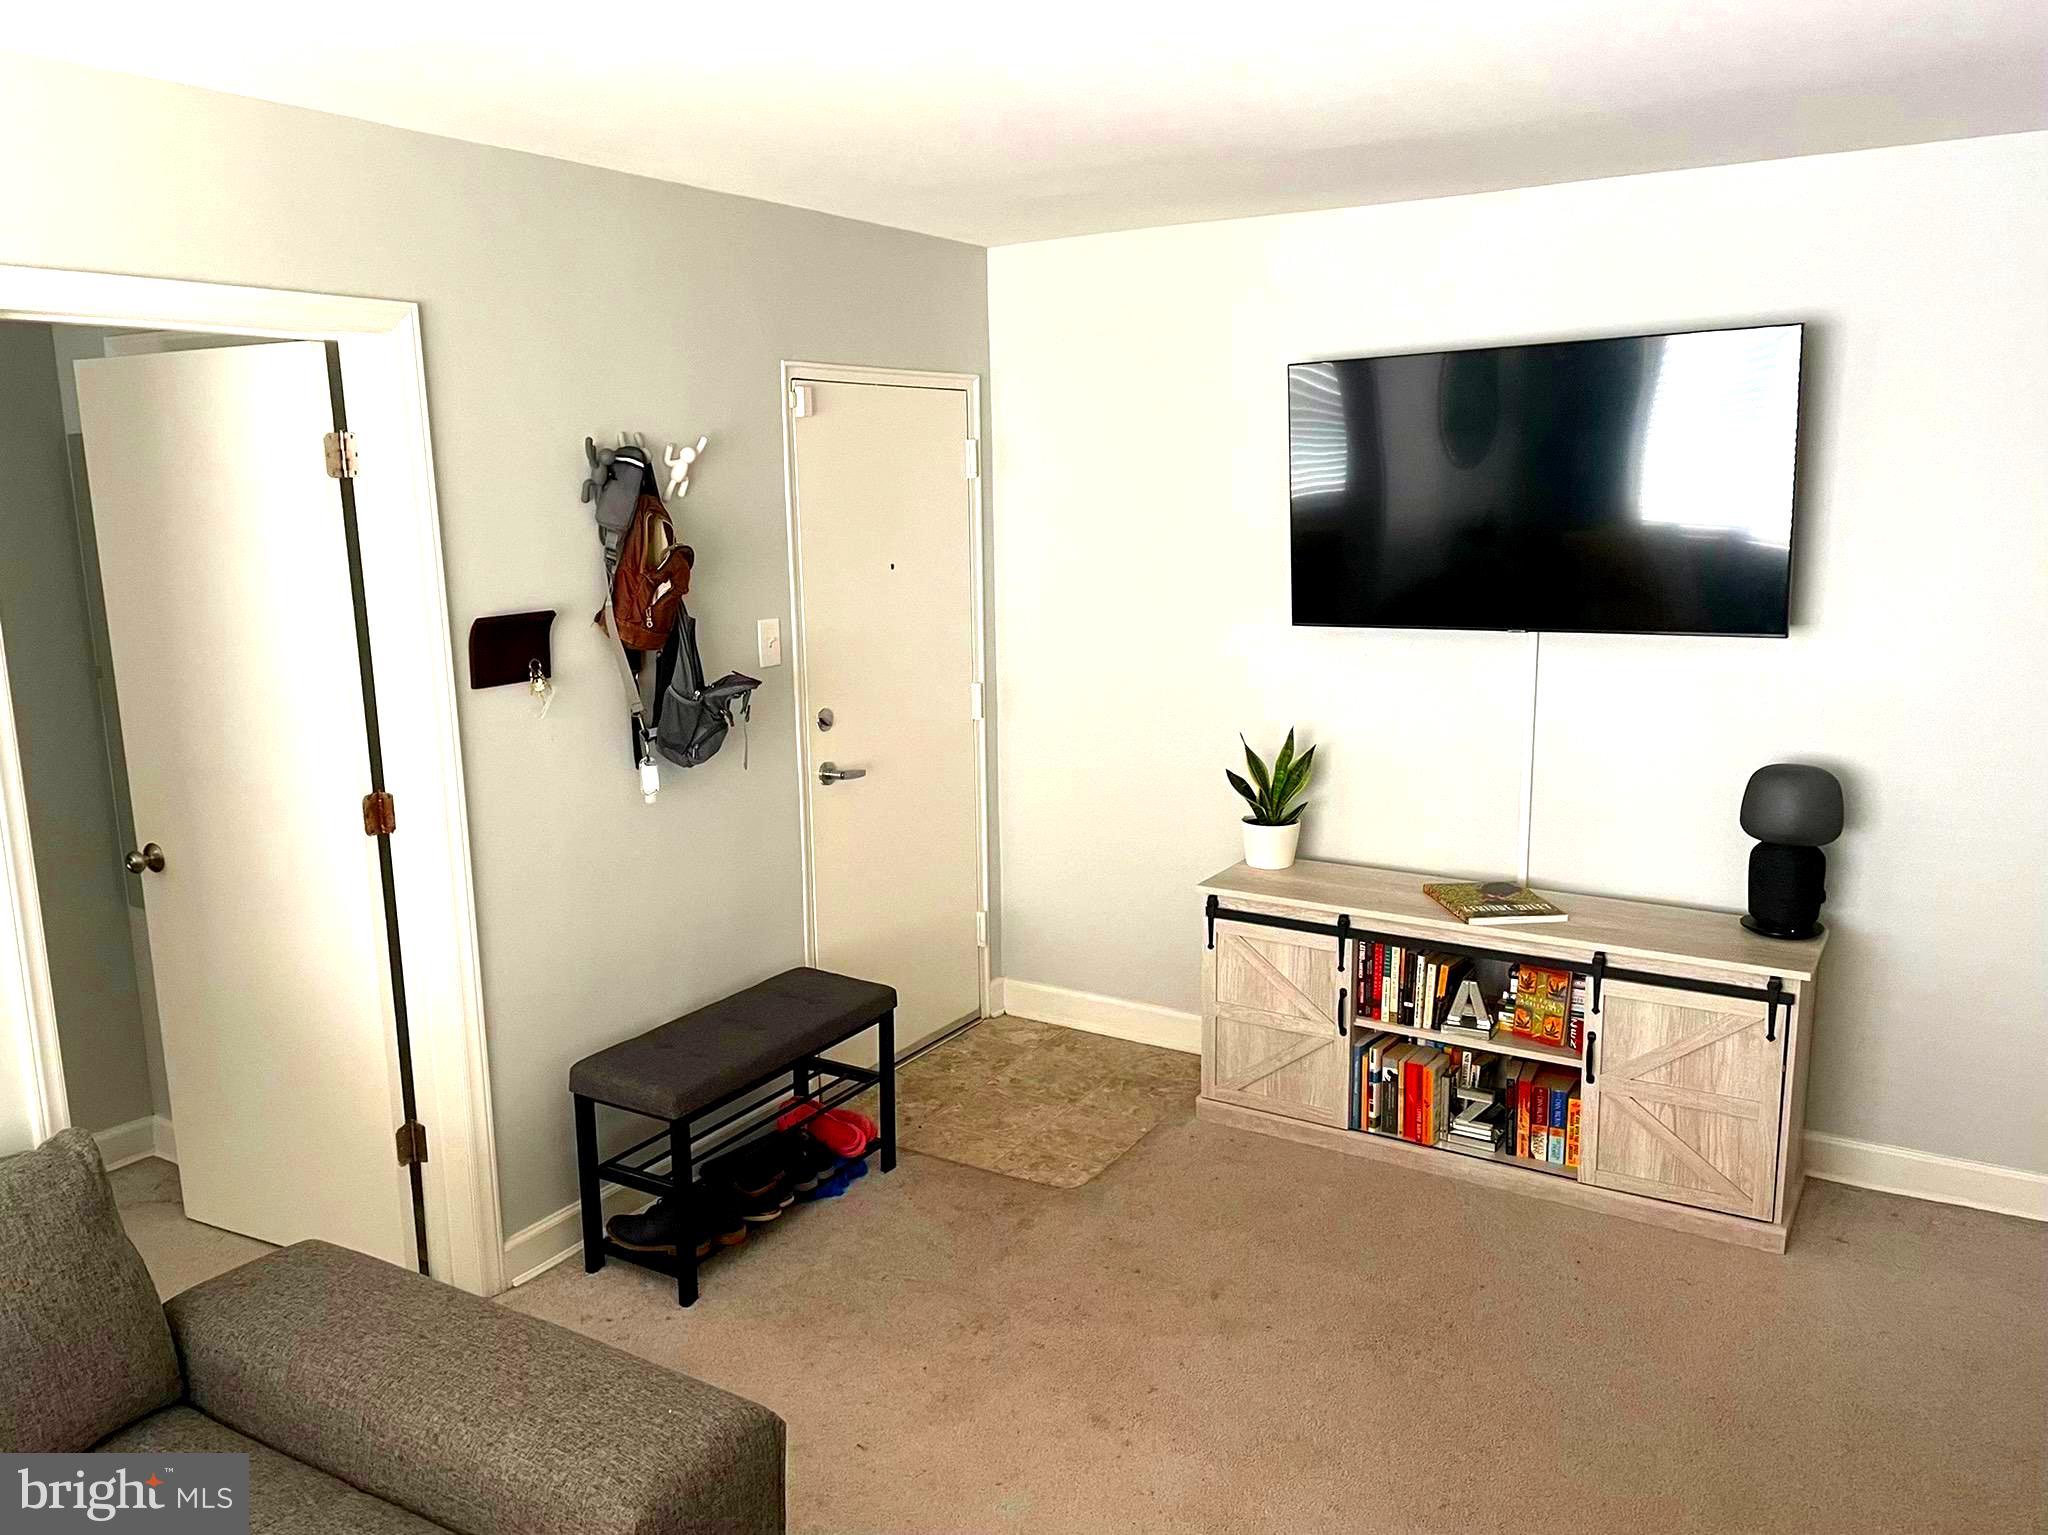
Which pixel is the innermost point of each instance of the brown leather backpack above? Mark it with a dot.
(652, 577)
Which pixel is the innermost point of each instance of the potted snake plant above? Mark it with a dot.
(1272, 832)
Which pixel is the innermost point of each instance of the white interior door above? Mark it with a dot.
(233, 641)
(885, 538)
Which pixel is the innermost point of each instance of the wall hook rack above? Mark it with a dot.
(509, 648)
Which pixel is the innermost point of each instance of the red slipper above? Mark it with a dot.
(843, 1130)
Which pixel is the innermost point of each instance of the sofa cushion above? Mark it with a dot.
(475, 1417)
(84, 1349)
(286, 1497)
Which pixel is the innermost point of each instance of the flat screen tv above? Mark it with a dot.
(1641, 485)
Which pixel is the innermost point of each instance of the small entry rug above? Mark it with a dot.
(1039, 1102)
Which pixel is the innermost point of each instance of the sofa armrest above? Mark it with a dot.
(470, 1415)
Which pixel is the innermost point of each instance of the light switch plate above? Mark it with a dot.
(768, 638)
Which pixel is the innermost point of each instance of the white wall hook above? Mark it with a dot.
(679, 461)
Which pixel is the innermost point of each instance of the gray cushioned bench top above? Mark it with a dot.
(693, 1061)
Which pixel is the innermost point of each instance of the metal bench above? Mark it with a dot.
(757, 1048)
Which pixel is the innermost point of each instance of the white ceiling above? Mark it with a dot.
(1001, 123)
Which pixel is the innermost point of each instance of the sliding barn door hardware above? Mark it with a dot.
(1597, 970)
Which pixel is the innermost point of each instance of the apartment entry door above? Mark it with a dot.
(233, 631)
(884, 505)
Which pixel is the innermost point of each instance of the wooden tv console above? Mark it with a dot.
(1693, 1085)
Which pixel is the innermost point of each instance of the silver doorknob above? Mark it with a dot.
(832, 772)
(150, 857)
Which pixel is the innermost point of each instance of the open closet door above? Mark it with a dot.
(234, 641)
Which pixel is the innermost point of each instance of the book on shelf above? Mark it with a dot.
(1555, 1085)
(1439, 973)
(1471, 904)
(1375, 1086)
(1521, 1079)
(1571, 1132)
(1542, 1004)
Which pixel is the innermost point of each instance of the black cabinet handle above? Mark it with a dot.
(1592, 1040)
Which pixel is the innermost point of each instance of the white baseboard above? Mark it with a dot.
(1834, 1158)
(531, 1251)
(127, 1143)
(150, 1136)
(1140, 1022)
(1923, 1175)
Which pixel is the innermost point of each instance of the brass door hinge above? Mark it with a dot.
(380, 814)
(412, 1143)
(343, 458)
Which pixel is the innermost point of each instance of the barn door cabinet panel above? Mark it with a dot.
(1273, 1032)
(1693, 1079)
(1682, 1099)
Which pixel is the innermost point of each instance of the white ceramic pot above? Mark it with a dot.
(1271, 847)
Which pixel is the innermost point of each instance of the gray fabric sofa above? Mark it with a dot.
(367, 1398)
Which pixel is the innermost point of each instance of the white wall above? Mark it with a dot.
(1142, 612)
(557, 300)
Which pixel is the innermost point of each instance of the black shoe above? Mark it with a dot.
(652, 1230)
(810, 1163)
(718, 1223)
(757, 1179)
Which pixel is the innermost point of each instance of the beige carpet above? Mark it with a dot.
(179, 1253)
(1037, 1102)
(1224, 1332)
(1228, 1333)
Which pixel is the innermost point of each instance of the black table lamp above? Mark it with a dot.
(1793, 811)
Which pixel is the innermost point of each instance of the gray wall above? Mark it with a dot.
(557, 300)
(45, 618)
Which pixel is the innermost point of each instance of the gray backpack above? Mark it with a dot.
(691, 720)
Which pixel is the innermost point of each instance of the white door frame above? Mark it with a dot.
(970, 384)
(407, 599)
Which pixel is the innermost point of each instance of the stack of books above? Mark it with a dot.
(1416, 989)
(1442, 1094)
(1405, 1089)
(1541, 1113)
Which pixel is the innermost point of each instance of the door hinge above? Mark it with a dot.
(981, 930)
(344, 457)
(972, 459)
(799, 399)
(974, 700)
(380, 814)
(412, 1143)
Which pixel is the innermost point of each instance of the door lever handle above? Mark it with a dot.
(149, 856)
(832, 772)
